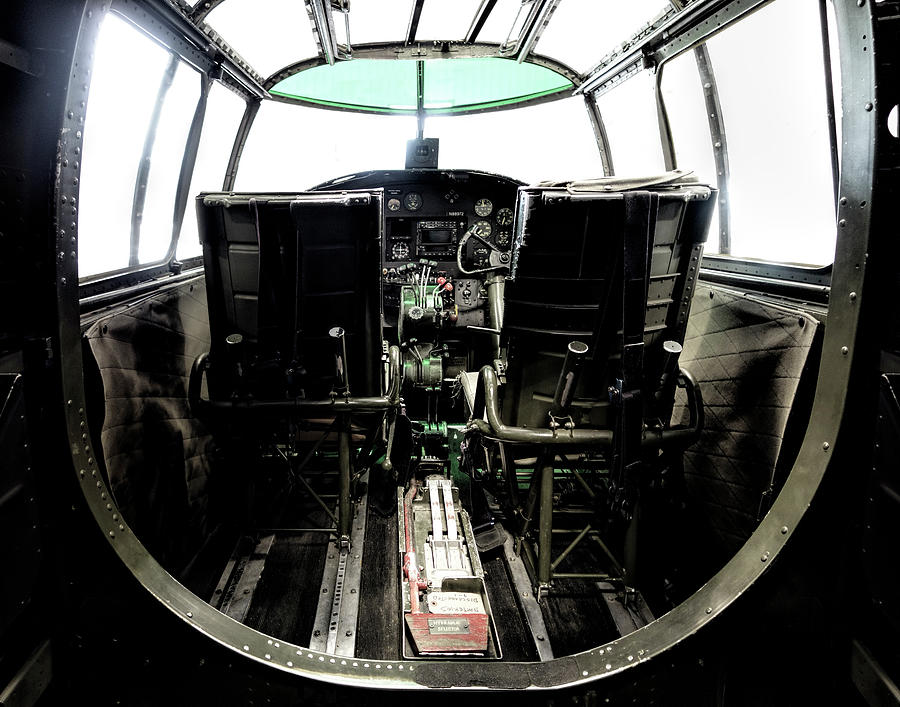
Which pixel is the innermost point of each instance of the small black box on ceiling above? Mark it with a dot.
(422, 153)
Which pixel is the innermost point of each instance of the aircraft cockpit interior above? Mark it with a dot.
(488, 369)
(485, 344)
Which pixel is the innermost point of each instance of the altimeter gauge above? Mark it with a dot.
(483, 207)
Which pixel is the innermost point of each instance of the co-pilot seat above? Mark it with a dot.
(595, 310)
(293, 289)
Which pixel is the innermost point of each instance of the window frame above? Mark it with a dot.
(178, 45)
(801, 280)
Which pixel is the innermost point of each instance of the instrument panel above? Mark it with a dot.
(426, 214)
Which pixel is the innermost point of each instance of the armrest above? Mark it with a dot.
(335, 404)
(487, 400)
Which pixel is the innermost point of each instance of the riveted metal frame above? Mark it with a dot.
(202, 9)
(195, 43)
(599, 128)
(863, 202)
(719, 143)
(240, 139)
(665, 38)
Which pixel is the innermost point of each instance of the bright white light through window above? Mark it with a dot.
(292, 148)
(629, 114)
(781, 190)
(686, 106)
(379, 20)
(126, 75)
(446, 20)
(581, 32)
(165, 164)
(269, 34)
(547, 141)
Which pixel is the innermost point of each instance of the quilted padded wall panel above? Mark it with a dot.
(158, 456)
(748, 357)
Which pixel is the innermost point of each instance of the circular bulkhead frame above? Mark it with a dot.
(862, 128)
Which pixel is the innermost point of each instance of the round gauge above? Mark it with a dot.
(483, 229)
(504, 217)
(503, 238)
(393, 204)
(400, 251)
(413, 201)
(483, 207)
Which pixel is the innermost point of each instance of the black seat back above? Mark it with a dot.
(283, 270)
(605, 268)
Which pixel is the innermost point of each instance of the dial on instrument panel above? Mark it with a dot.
(393, 204)
(502, 238)
(413, 201)
(483, 229)
(504, 217)
(483, 207)
(399, 251)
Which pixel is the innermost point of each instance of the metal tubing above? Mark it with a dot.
(480, 18)
(318, 499)
(495, 429)
(600, 134)
(545, 530)
(414, 17)
(189, 160)
(344, 478)
(571, 546)
(580, 479)
(240, 138)
(298, 473)
(495, 285)
(280, 407)
(665, 129)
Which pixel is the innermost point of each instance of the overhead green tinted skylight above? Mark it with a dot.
(451, 85)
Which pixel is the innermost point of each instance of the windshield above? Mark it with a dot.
(448, 85)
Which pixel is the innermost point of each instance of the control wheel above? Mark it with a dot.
(497, 258)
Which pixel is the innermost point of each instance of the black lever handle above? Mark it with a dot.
(568, 378)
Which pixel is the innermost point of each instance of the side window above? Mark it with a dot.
(629, 114)
(773, 100)
(129, 71)
(682, 92)
(224, 110)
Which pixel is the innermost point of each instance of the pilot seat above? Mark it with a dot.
(297, 365)
(570, 428)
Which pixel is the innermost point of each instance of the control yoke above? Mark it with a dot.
(497, 259)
